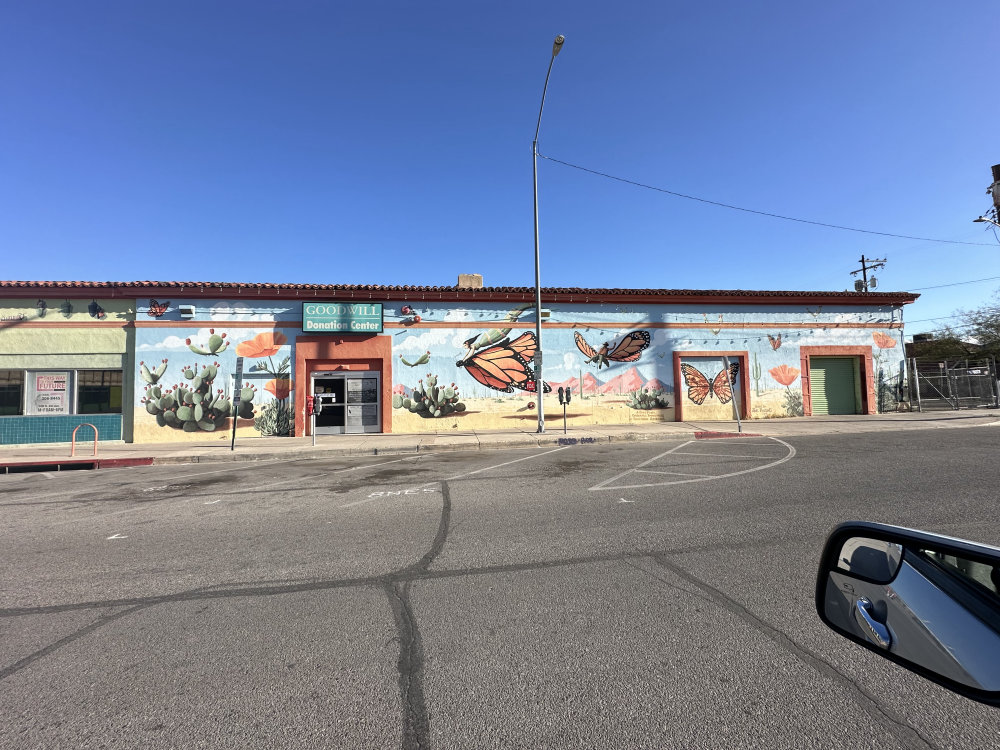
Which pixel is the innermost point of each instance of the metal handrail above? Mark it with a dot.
(72, 449)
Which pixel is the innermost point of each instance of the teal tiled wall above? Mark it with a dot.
(59, 429)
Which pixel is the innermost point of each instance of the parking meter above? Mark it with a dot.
(564, 396)
(314, 406)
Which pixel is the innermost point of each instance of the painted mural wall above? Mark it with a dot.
(185, 374)
(467, 366)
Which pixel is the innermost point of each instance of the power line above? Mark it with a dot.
(957, 283)
(762, 213)
(928, 320)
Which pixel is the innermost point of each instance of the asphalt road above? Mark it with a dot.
(642, 595)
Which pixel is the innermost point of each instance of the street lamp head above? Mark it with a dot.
(557, 44)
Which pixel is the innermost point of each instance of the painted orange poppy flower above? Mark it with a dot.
(262, 345)
(280, 387)
(882, 341)
(784, 374)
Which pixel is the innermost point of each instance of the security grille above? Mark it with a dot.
(957, 384)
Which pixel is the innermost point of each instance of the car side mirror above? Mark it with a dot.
(928, 602)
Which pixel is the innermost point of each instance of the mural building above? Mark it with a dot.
(176, 361)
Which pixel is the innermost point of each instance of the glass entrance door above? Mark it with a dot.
(350, 402)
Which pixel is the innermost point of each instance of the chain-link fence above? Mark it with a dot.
(956, 384)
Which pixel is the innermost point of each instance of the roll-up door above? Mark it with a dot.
(832, 385)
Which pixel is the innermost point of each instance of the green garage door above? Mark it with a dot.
(831, 383)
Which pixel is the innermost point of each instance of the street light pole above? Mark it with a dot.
(992, 216)
(539, 383)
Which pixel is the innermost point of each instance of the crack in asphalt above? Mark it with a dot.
(415, 572)
(410, 665)
(907, 735)
(99, 623)
(416, 724)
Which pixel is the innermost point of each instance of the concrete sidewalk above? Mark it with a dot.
(256, 449)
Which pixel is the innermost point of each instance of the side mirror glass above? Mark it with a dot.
(928, 602)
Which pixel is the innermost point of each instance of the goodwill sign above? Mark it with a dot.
(342, 317)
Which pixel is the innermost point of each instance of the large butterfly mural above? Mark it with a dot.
(700, 387)
(629, 349)
(504, 366)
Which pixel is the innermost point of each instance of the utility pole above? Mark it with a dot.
(864, 284)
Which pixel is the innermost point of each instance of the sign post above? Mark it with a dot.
(732, 389)
(237, 390)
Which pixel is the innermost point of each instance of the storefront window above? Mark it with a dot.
(99, 392)
(11, 392)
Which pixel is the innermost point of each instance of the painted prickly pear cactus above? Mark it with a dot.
(216, 344)
(192, 406)
(430, 400)
(648, 398)
(152, 376)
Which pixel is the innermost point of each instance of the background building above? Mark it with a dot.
(157, 361)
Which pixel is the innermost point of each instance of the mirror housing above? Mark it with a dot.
(928, 602)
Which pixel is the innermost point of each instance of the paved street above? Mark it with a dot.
(635, 595)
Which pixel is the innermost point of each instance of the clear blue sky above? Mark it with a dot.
(390, 142)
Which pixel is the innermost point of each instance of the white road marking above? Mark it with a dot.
(644, 463)
(213, 502)
(507, 463)
(376, 496)
(723, 455)
(675, 473)
(117, 536)
(390, 493)
(604, 485)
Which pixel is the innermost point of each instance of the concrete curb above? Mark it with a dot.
(426, 443)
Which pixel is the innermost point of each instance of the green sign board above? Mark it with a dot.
(342, 317)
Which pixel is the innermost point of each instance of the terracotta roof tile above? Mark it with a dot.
(140, 288)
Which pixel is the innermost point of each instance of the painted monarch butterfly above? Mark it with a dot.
(699, 387)
(775, 341)
(504, 366)
(156, 309)
(629, 349)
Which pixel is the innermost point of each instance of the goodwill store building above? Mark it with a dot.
(148, 361)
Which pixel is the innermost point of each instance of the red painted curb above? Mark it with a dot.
(75, 463)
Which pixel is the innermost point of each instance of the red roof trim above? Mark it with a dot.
(137, 289)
